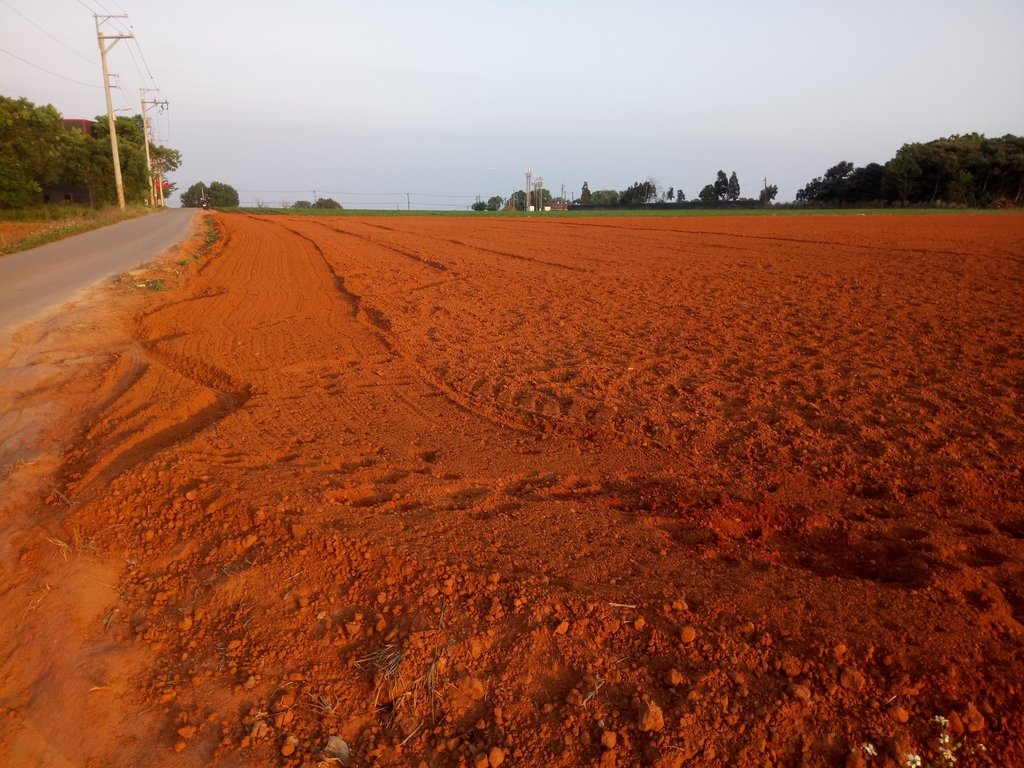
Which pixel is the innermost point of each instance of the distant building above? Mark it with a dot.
(65, 192)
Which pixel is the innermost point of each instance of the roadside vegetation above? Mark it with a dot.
(45, 159)
(28, 228)
(57, 175)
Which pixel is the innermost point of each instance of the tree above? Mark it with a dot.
(131, 150)
(639, 193)
(302, 205)
(323, 202)
(495, 203)
(680, 196)
(902, 173)
(709, 194)
(36, 150)
(518, 200)
(164, 160)
(33, 150)
(671, 194)
(479, 205)
(605, 198)
(585, 196)
(721, 185)
(768, 194)
(193, 196)
(219, 195)
(733, 190)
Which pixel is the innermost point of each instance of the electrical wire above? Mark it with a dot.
(45, 32)
(142, 56)
(47, 71)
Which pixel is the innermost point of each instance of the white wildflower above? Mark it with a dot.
(913, 761)
(868, 749)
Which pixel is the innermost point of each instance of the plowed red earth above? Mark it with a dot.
(532, 492)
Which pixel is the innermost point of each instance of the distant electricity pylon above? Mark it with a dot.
(156, 181)
(529, 177)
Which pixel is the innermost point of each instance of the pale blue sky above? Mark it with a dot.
(458, 98)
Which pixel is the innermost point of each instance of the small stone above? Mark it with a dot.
(234, 644)
(650, 717)
(562, 628)
(851, 679)
(899, 714)
(496, 756)
(639, 623)
(674, 677)
(956, 725)
(688, 634)
(472, 688)
(480, 761)
(609, 739)
(801, 692)
(972, 719)
(187, 732)
(289, 746)
(180, 746)
(249, 540)
(791, 665)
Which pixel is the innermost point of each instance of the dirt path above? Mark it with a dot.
(42, 279)
(535, 492)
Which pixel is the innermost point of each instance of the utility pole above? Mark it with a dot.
(529, 187)
(157, 181)
(408, 205)
(101, 39)
(539, 200)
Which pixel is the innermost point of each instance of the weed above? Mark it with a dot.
(948, 750)
(37, 597)
(62, 546)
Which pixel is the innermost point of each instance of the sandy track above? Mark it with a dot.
(737, 491)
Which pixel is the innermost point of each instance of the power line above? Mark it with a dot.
(48, 71)
(142, 56)
(45, 32)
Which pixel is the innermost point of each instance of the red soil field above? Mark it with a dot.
(530, 492)
(13, 232)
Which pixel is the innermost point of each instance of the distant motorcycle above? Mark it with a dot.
(205, 203)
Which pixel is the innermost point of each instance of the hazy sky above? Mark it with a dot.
(365, 101)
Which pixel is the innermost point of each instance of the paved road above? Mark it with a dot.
(42, 279)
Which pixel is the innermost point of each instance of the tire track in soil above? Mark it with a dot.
(351, 552)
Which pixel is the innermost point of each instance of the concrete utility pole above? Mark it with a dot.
(529, 187)
(155, 182)
(101, 38)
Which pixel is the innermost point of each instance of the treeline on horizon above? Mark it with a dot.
(968, 171)
(38, 151)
